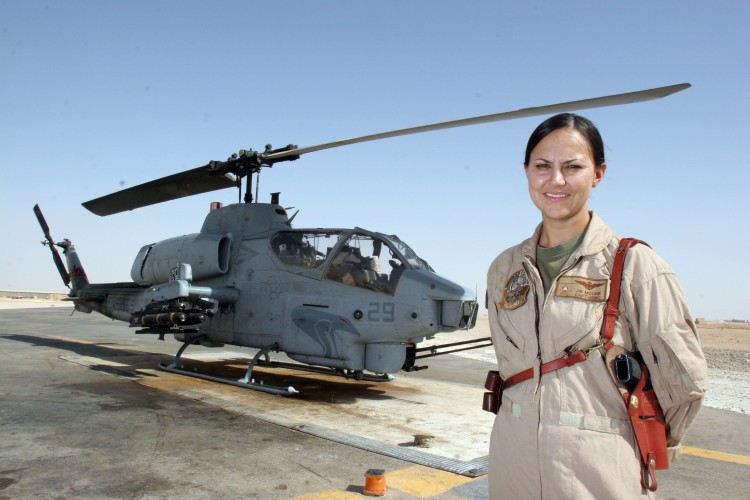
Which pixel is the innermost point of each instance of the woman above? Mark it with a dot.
(566, 434)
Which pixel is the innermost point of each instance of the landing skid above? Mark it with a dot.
(355, 374)
(246, 382)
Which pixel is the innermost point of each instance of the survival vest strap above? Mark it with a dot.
(643, 408)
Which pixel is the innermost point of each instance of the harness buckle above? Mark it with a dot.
(588, 350)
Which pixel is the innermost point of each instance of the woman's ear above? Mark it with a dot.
(599, 174)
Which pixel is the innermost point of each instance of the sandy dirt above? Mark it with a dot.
(8, 303)
(725, 335)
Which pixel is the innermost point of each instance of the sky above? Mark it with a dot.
(97, 96)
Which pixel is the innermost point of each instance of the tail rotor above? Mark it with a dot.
(49, 242)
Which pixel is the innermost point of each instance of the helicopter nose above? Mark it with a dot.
(446, 306)
(458, 313)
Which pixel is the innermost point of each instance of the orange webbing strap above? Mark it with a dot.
(613, 304)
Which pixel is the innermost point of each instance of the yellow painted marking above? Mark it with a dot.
(73, 341)
(329, 495)
(422, 481)
(172, 382)
(716, 455)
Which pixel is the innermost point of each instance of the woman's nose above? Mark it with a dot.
(557, 177)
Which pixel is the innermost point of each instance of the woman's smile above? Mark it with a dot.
(561, 174)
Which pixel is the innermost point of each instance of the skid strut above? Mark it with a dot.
(247, 381)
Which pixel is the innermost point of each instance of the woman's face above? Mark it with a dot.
(561, 173)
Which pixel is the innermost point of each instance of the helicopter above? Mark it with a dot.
(351, 302)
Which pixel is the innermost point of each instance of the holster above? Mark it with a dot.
(649, 428)
(494, 398)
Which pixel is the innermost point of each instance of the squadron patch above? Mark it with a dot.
(582, 288)
(515, 291)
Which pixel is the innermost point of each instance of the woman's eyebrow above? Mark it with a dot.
(569, 160)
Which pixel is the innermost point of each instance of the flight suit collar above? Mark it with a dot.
(597, 238)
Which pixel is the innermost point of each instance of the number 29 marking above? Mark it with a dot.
(384, 312)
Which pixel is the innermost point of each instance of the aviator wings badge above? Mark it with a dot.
(579, 287)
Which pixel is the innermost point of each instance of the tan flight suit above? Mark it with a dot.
(566, 434)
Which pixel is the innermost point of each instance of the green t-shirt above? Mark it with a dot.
(550, 261)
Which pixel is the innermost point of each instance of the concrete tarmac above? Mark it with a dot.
(84, 415)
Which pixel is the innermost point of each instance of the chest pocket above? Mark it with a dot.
(514, 338)
(514, 335)
(574, 309)
(572, 322)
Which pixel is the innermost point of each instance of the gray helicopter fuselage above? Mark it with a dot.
(326, 297)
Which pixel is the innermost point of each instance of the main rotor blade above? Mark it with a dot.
(596, 102)
(196, 181)
(213, 176)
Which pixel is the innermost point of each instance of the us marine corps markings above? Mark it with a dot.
(515, 291)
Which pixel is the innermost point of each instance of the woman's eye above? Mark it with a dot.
(574, 166)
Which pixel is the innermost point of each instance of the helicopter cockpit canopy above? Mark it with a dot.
(410, 255)
(354, 258)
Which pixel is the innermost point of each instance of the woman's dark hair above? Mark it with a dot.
(582, 125)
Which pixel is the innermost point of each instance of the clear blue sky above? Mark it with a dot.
(96, 96)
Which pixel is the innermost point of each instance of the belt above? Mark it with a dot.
(495, 384)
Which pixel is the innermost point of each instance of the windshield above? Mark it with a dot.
(357, 261)
(308, 249)
(411, 256)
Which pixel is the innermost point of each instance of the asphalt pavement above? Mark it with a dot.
(83, 414)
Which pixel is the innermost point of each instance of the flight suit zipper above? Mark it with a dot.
(537, 320)
(537, 315)
(532, 282)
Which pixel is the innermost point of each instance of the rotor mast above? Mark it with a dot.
(247, 162)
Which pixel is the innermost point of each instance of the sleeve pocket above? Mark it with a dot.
(678, 368)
